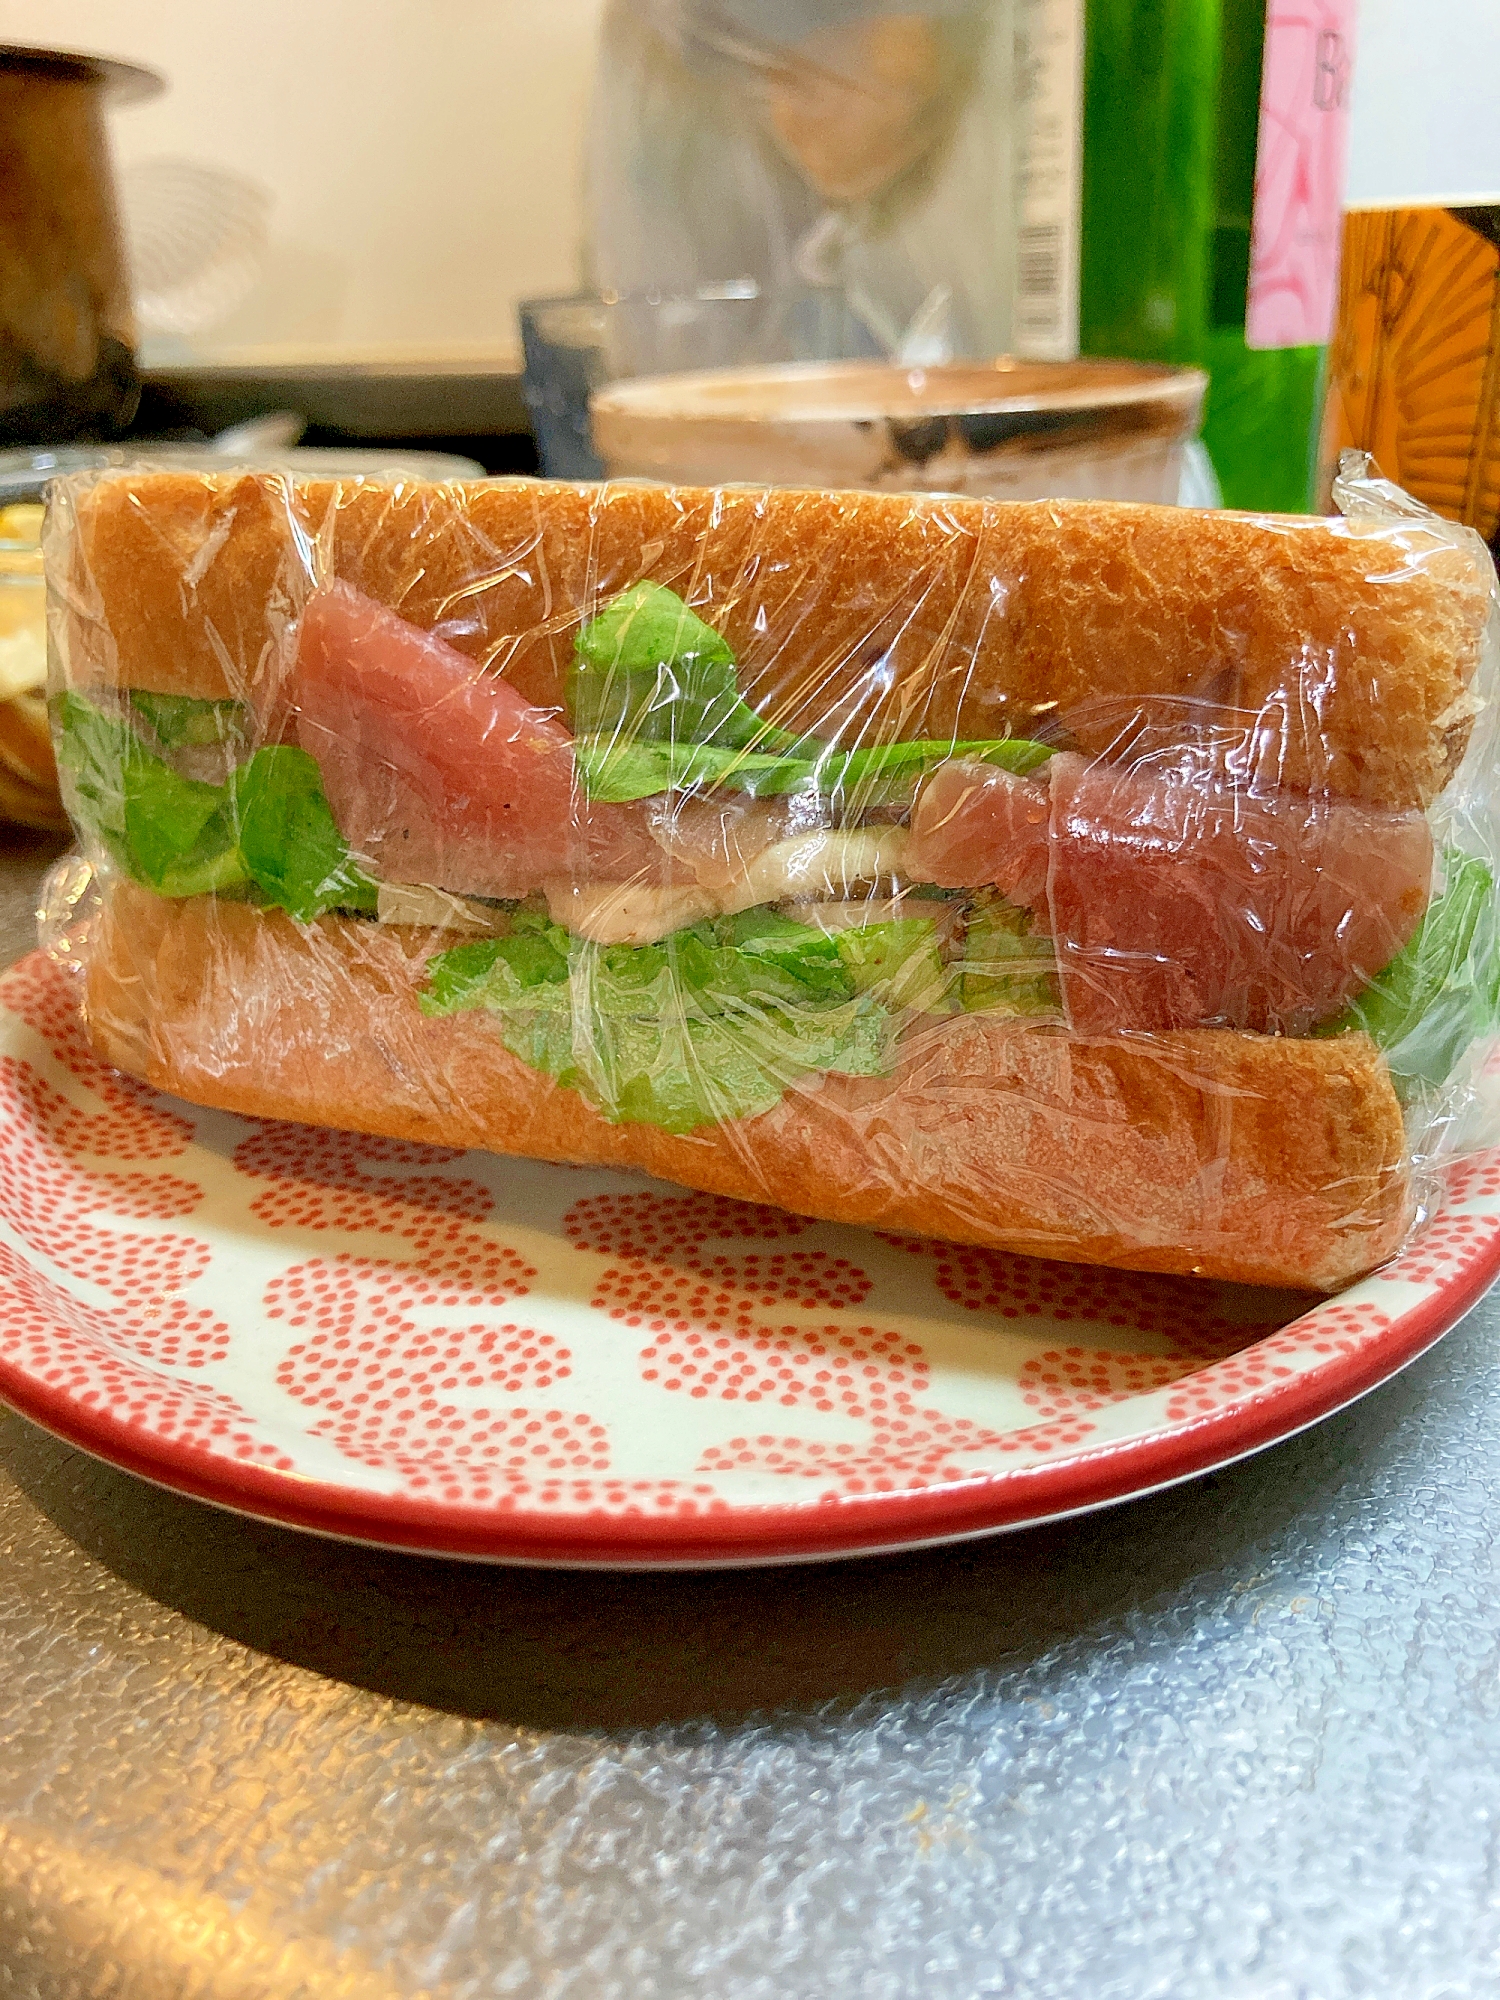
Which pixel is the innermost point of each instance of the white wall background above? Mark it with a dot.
(423, 156)
(1426, 114)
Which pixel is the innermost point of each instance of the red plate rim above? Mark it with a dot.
(845, 1525)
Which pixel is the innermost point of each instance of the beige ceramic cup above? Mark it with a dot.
(1008, 430)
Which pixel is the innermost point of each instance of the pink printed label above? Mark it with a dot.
(1299, 172)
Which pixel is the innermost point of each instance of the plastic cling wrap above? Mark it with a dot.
(1102, 882)
(827, 144)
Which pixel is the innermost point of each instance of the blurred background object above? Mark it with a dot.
(67, 333)
(1009, 430)
(1414, 372)
(1414, 369)
(1040, 177)
(1213, 154)
(574, 346)
(197, 238)
(867, 149)
(423, 172)
(28, 773)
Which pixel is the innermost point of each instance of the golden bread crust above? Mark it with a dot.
(891, 615)
(1231, 1156)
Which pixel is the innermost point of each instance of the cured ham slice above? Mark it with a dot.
(975, 824)
(439, 773)
(1177, 899)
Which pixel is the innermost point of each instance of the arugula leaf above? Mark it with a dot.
(648, 669)
(289, 838)
(269, 824)
(169, 832)
(179, 719)
(93, 750)
(897, 760)
(166, 815)
(618, 770)
(714, 1022)
(1441, 991)
(655, 707)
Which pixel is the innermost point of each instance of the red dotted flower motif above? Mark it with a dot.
(1184, 1312)
(1202, 1338)
(55, 1202)
(429, 1403)
(1337, 1327)
(1444, 1250)
(54, 1199)
(704, 1314)
(1476, 1178)
(930, 1455)
(44, 996)
(458, 1409)
(47, 1192)
(76, 1349)
(674, 1226)
(1064, 1381)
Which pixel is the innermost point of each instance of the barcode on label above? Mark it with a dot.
(1048, 157)
(1039, 260)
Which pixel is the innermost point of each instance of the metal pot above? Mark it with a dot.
(67, 337)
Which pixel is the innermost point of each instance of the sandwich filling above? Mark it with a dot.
(681, 909)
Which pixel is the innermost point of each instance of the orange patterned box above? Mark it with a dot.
(1414, 369)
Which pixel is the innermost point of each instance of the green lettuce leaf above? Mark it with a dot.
(899, 961)
(714, 1022)
(1005, 964)
(808, 957)
(683, 1069)
(169, 832)
(1443, 990)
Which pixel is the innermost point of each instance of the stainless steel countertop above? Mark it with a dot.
(1242, 1739)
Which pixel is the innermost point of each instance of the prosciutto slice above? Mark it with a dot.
(437, 772)
(1178, 899)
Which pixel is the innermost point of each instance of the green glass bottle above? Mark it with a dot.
(1171, 107)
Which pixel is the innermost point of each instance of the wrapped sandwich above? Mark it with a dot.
(1099, 882)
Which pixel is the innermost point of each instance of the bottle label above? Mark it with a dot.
(1049, 177)
(1299, 172)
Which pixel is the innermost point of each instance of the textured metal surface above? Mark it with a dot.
(1240, 1739)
